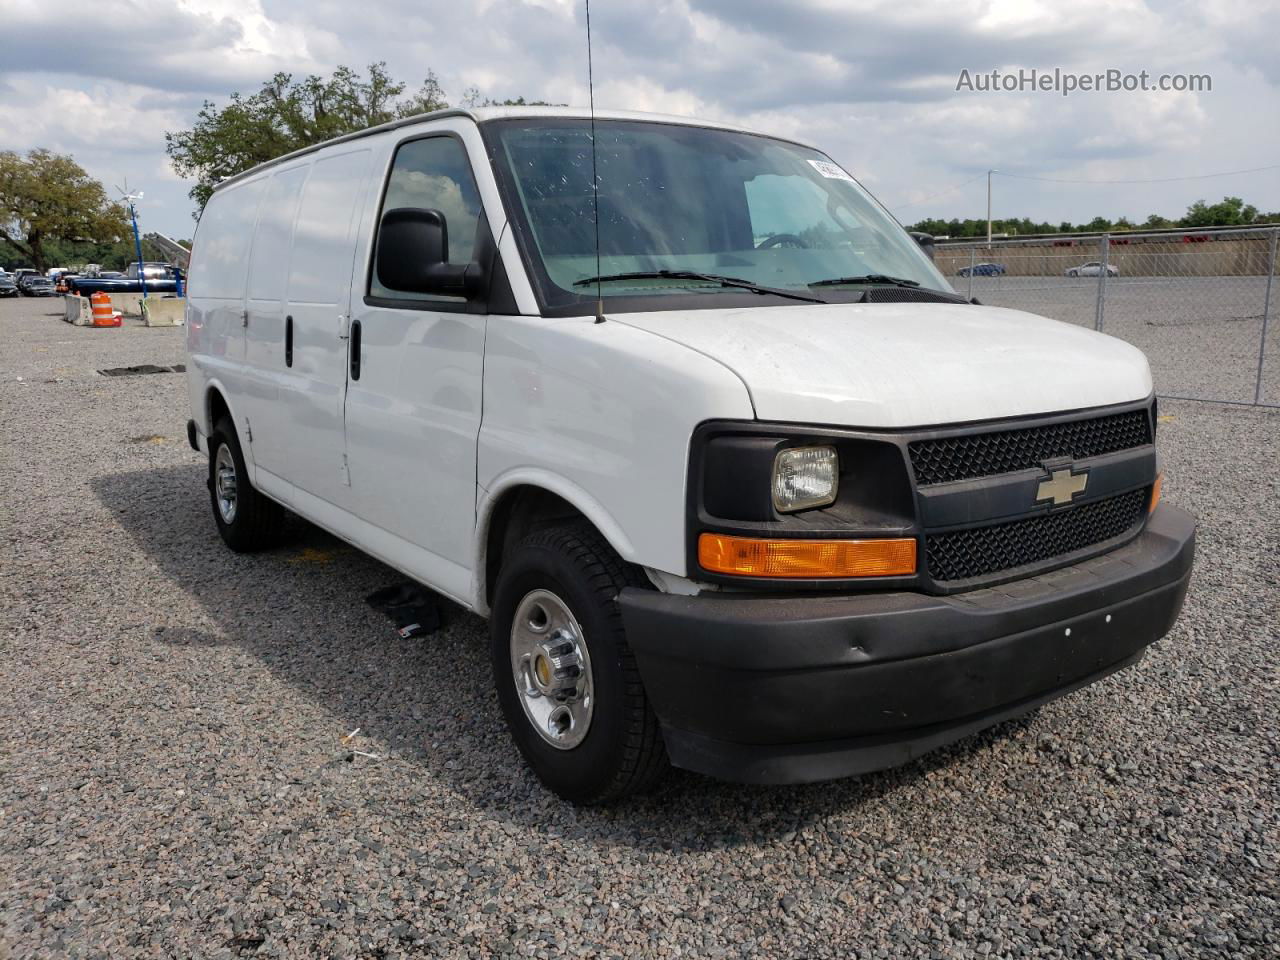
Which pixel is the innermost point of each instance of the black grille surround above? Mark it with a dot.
(999, 548)
(972, 455)
(972, 532)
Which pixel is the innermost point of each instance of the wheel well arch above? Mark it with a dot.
(517, 512)
(216, 407)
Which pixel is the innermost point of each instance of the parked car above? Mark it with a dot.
(770, 511)
(982, 270)
(1092, 269)
(7, 286)
(35, 285)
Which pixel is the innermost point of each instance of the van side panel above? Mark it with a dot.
(215, 293)
(264, 361)
(313, 389)
(610, 410)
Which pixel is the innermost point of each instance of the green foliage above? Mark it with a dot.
(288, 114)
(47, 197)
(76, 254)
(1231, 212)
(472, 97)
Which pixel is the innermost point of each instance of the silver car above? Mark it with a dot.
(1091, 269)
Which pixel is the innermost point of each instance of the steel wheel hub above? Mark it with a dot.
(224, 483)
(552, 669)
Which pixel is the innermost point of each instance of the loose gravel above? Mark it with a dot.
(177, 780)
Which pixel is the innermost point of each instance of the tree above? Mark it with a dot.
(46, 197)
(472, 97)
(288, 114)
(1231, 212)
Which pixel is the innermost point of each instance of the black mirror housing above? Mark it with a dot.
(925, 240)
(413, 255)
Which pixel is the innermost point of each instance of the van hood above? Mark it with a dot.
(906, 364)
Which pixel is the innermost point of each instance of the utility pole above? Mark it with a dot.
(989, 173)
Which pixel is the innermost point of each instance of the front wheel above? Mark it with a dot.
(567, 681)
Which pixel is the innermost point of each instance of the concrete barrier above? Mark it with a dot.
(164, 311)
(78, 310)
(130, 304)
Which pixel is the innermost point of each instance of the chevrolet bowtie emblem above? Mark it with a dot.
(1061, 486)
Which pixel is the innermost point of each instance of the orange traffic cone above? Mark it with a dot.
(103, 315)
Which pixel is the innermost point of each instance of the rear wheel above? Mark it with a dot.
(246, 519)
(567, 681)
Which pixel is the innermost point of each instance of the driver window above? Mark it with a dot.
(434, 174)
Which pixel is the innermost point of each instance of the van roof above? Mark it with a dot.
(487, 114)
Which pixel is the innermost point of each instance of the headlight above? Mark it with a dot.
(805, 477)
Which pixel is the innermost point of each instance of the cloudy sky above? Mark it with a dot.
(873, 82)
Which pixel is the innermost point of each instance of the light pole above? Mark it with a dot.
(129, 198)
(989, 173)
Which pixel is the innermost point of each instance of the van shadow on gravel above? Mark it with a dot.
(300, 610)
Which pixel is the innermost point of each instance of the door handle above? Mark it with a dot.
(288, 341)
(354, 349)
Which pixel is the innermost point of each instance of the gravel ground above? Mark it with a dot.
(173, 780)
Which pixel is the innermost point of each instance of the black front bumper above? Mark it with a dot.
(795, 689)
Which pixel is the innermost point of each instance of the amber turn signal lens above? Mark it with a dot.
(752, 557)
(1155, 492)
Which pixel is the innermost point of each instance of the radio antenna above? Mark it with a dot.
(595, 179)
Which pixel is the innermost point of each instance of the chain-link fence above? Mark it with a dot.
(1201, 305)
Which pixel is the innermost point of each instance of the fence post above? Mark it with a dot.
(973, 259)
(1105, 245)
(1266, 316)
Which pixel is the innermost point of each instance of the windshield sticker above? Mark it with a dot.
(830, 170)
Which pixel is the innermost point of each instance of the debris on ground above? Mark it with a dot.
(414, 609)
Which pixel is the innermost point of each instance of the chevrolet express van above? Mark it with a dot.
(740, 482)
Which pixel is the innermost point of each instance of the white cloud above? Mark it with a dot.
(871, 81)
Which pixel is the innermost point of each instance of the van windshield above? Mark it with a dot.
(680, 200)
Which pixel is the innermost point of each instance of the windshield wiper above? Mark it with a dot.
(870, 278)
(735, 282)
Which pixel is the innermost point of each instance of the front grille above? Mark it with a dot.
(1004, 451)
(981, 552)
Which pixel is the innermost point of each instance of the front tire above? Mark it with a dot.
(246, 519)
(567, 680)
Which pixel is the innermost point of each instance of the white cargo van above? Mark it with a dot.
(741, 483)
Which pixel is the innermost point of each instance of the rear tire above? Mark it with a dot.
(564, 581)
(246, 519)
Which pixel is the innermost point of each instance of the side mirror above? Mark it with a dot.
(926, 242)
(413, 255)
